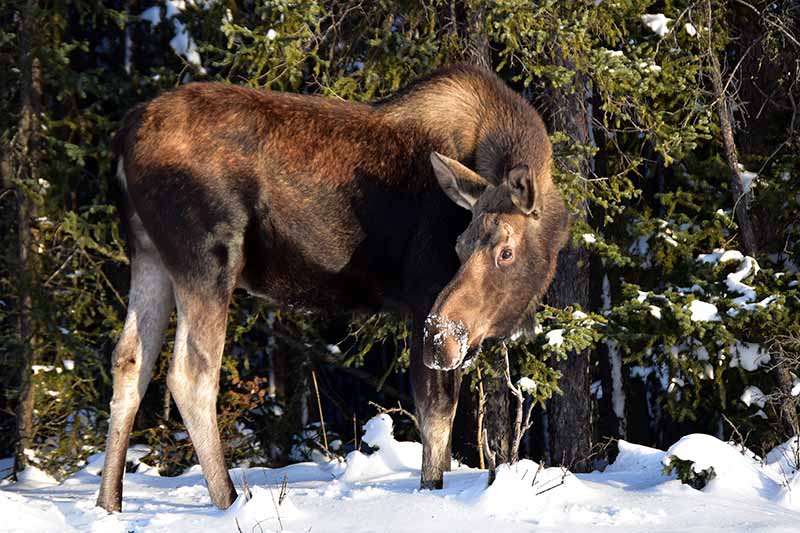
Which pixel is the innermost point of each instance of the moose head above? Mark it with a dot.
(508, 255)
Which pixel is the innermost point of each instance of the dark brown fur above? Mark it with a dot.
(334, 205)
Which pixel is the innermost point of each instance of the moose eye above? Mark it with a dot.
(506, 254)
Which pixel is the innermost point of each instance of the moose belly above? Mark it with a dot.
(317, 290)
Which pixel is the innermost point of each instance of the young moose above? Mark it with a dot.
(437, 203)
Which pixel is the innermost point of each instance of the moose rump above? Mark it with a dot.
(322, 204)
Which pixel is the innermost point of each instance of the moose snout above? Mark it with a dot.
(446, 342)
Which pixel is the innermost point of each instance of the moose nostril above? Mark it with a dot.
(449, 341)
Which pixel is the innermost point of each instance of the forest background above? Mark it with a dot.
(674, 309)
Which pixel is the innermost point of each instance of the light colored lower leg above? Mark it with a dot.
(149, 307)
(194, 382)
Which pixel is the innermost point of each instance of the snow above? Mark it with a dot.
(720, 255)
(638, 459)
(527, 384)
(333, 349)
(737, 472)
(690, 29)
(747, 355)
(45, 368)
(182, 43)
(748, 179)
(606, 295)
(641, 248)
(392, 456)
(734, 283)
(379, 492)
(657, 23)
(784, 459)
(752, 395)
(704, 311)
(555, 337)
(618, 391)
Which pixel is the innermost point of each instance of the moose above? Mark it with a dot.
(437, 202)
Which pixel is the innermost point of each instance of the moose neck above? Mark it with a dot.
(469, 115)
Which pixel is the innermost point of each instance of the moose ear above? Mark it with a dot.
(522, 183)
(459, 183)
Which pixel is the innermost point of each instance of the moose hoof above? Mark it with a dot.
(224, 499)
(111, 505)
(431, 484)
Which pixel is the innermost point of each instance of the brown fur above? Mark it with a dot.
(333, 205)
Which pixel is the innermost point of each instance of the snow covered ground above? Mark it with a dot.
(378, 492)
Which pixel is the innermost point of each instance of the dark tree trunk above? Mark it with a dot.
(569, 414)
(24, 169)
(497, 412)
(783, 376)
(746, 233)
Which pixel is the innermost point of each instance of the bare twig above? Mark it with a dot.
(246, 486)
(355, 433)
(319, 407)
(522, 423)
(399, 409)
(564, 474)
(481, 414)
(491, 456)
(276, 506)
(284, 489)
(536, 475)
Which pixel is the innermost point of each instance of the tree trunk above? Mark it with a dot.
(24, 170)
(740, 203)
(569, 414)
(788, 410)
(496, 412)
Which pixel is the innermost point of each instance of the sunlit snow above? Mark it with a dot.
(379, 491)
(657, 23)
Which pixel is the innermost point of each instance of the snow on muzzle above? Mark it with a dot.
(446, 342)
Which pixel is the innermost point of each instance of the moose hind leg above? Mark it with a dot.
(436, 399)
(150, 305)
(193, 380)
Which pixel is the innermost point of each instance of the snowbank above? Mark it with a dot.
(639, 459)
(737, 473)
(528, 491)
(391, 456)
(23, 514)
(379, 491)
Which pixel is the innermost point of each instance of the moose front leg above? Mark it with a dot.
(193, 380)
(436, 399)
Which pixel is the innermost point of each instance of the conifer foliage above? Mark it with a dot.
(682, 180)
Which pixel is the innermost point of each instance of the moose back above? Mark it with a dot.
(437, 203)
